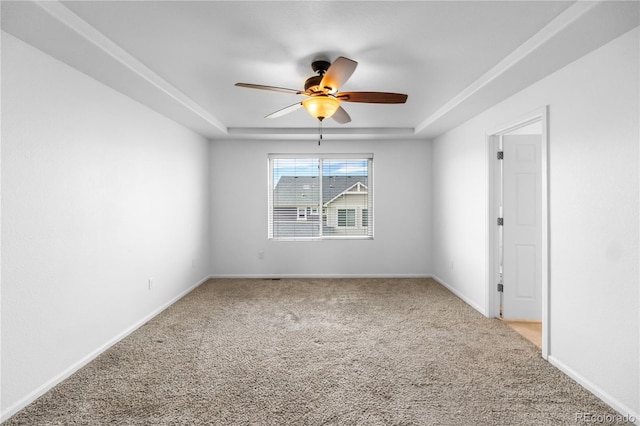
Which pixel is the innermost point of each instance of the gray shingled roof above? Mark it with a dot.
(303, 190)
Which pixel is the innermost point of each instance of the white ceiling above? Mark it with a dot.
(453, 58)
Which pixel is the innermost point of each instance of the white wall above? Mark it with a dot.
(98, 194)
(401, 247)
(594, 214)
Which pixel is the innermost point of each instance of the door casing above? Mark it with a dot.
(492, 302)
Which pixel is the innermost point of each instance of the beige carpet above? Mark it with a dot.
(317, 352)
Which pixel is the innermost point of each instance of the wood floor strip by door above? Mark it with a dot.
(530, 330)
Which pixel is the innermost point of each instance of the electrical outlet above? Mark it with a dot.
(261, 255)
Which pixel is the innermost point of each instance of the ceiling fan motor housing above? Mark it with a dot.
(313, 84)
(320, 66)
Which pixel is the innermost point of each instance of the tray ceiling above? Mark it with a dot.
(453, 58)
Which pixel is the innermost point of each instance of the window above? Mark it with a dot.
(346, 217)
(320, 197)
(302, 213)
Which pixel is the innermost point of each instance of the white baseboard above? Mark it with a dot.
(317, 276)
(45, 387)
(621, 408)
(453, 290)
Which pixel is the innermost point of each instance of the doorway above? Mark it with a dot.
(517, 289)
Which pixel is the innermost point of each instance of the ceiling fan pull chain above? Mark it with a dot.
(320, 131)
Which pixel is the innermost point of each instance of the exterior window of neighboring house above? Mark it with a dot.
(302, 213)
(346, 217)
(320, 197)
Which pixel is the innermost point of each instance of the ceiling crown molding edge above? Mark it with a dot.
(81, 27)
(548, 32)
(326, 130)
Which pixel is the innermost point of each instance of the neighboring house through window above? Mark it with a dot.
(346, 217)
(338, 187)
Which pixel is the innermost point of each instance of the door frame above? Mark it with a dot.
(492, 302)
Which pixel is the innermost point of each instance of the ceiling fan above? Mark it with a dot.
(322, 96)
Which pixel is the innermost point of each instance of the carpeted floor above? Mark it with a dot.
(317, 352)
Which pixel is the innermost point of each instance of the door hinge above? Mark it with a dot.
(500, 221)
(500, 155)
(501, 288)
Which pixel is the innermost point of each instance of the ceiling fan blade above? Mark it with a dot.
(270, 88)
(286, 110)
(341, 116)
(338, 73)
(373, 97)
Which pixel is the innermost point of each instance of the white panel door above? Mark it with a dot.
(522, 229)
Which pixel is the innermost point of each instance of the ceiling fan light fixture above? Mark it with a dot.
(321, 106)
(323, 97)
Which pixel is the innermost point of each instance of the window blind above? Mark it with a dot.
(320, 197)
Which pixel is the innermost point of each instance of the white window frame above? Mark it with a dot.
(320, 211)
(302, 216)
